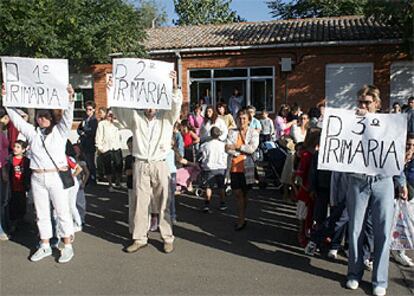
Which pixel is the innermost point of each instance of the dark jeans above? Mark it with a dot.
(90, 161)
(17, 205)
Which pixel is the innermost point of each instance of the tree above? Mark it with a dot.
(315, 8)
(83, 31)
(202, 12)
(399, 13)
(151, 14)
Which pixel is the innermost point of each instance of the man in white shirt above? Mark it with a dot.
(152, 133)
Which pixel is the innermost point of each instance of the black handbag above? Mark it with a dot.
(65, 176)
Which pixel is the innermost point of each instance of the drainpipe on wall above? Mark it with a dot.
(179, 68)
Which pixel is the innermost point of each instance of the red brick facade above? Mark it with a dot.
(306, 81)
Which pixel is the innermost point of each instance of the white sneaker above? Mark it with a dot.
(333, 254)
(66, 255)
(352, 284)
(369, 265)
(403, 259)
(3, 237)
(154, 224)
(41, 253)
(378, 291)
(310, 248)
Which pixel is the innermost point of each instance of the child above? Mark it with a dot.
(83, 178)
(73, 192)
(214, 165)
(305, 202)
(267, 132)
(129, 160)
(406, 181)
(4, 151)
(171, 159)
(190, 140)
(18, 174)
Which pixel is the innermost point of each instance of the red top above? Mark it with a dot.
(303, 172)
(18, 180)
(71, 162)
(188, 139)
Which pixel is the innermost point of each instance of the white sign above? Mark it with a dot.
(141, 84)
(35, 83)
(371, 144)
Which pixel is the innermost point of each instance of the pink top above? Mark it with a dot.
(196, 121)
(4, 149)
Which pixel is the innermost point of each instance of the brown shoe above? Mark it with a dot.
(135, 246)
(168, 247)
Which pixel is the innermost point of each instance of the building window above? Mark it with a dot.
(342, 82)
(83, 86)
(401, 82)
(255, 85)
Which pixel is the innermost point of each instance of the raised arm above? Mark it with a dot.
(65, 124)
(25, 128)
(177, 100)
(22, 126)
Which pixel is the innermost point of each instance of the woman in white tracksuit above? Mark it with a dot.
(45, 181)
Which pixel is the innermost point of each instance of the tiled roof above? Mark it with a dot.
(346, 28)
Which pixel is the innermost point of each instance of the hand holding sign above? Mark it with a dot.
(35, 83)
(370, 144)
(141, 84)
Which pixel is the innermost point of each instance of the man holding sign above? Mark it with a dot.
(362, 145)
(152, 134)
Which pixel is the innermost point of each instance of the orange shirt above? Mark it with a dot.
(237, 162)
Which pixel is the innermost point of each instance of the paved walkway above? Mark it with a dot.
(210, 257)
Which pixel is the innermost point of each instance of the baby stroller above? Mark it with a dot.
(272, 158)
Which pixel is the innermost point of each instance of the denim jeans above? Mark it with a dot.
(376, 193)
(173, 186)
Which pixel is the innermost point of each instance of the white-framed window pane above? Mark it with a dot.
(342, 82)
(401, 82)
(261, 94)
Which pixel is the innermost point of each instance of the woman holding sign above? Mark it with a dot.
(48, 160)
(364, 192)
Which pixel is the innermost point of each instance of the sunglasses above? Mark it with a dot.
(364, 102)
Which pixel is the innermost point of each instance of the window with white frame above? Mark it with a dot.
(255, 85)
(342, 82)
(401, 82)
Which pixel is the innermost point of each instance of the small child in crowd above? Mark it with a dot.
(129, 160)
(17, 172)
(83, 178)
(267, 132)
(214, 164)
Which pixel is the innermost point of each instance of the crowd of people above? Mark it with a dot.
(210, 148)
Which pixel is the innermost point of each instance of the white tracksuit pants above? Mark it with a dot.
(46, 188)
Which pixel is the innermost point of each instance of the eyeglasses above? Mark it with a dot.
(365, 102)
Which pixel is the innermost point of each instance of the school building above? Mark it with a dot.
(282, 61)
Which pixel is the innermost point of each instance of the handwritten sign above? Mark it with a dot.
(35, 83)
(141, 84)
(371, 144)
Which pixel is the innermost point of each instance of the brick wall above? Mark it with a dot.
(306, 82)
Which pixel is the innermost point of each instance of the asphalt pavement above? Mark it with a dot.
(210, 258)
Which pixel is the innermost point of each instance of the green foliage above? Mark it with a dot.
(315, 8)
(84, 31)
(399, 13)
(202, 12)
(150, 12)
(393, 12)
